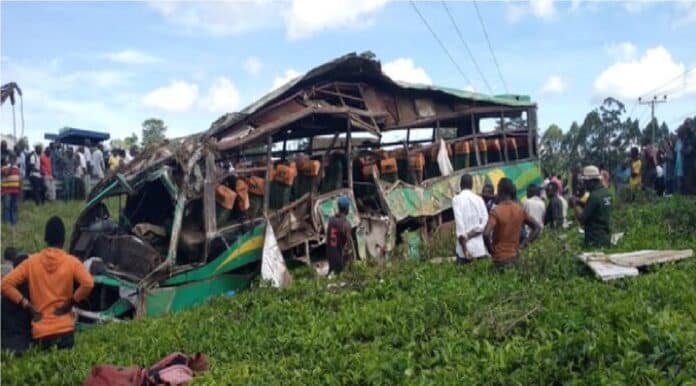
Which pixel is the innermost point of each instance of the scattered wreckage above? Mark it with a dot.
(197, 212)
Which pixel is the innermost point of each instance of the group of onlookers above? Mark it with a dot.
(666, 170)
(499, 226)
(75, 166)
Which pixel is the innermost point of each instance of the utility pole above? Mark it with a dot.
(652, 110)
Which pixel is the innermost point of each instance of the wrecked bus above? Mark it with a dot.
(196, 212)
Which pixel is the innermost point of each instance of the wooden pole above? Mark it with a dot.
(349, 156)
(476, 145)
(267, 183)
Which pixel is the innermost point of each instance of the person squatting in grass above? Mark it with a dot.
(339, 242)
(596, 215)
(16, 321)
(502, 232)
(470, 217)
(50, 275)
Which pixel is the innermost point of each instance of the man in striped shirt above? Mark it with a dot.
(11, 188)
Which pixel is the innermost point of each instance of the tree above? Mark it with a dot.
(550, 150)
(8, 91)
(153, 132)
(130, 141)
(116, 144)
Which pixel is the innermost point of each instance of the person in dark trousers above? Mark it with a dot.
(38, 189)
(70, 165)
(596, 216)
(16, 321)
(338, 238)
(649, 165)
(51, 275)
(502, 232)
(553, 217)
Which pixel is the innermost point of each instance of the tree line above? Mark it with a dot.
(603, 138)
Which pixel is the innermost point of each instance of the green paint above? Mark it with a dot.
(413, 241)
(329, 207)
(247, 249)
(112, 281)
(165, 300)
(431, 199)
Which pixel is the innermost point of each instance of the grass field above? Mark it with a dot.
(404, 322)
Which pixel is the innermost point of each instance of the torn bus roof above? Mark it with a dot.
(299, 99)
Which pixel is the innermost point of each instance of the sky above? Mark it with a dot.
(108, 66)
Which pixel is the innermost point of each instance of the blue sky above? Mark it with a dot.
(109, 66)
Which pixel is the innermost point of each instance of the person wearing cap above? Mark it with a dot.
(51, 275)
(596, 215)
(338, 237)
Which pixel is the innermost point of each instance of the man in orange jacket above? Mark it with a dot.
(50, 274)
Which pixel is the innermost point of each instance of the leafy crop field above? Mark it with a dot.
(547, 322)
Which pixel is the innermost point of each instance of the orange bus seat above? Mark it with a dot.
(225, 196)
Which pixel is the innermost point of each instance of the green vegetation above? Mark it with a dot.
(547, 322)
(28, 234)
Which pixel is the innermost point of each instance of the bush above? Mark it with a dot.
(548, 322)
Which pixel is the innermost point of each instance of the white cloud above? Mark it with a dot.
(131, 57)
(301, 18)
(554, 85)
(687, 11)
(405, 70)
(307, 17)
(253, 65)
(635, 6)
(623, 51)
(220, 18)
(179, 96)
(470, 88)
(223, 96)
(654, 70)
(285, 78)
(542, 9)
(575, 5)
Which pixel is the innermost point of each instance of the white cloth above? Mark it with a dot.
(470, 214)
(535, 208)
(88, 155)
(443, 161)
(98, 164)
(128, 158)
(660, 172)
(564, 203)
(82, 167)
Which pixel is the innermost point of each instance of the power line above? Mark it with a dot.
(440, 42)
(670, 81)
(682, 118)
(461, 38)
(490, 47)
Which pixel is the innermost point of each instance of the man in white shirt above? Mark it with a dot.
(534, 206)
(82, 173)
(98, 163)
(470, 217)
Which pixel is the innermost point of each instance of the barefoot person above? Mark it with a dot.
(51, 275)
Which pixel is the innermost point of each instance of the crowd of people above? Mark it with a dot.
(498, 226)
(665, 170)
(76, 167)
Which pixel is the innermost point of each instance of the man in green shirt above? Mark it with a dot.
(596, 215)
